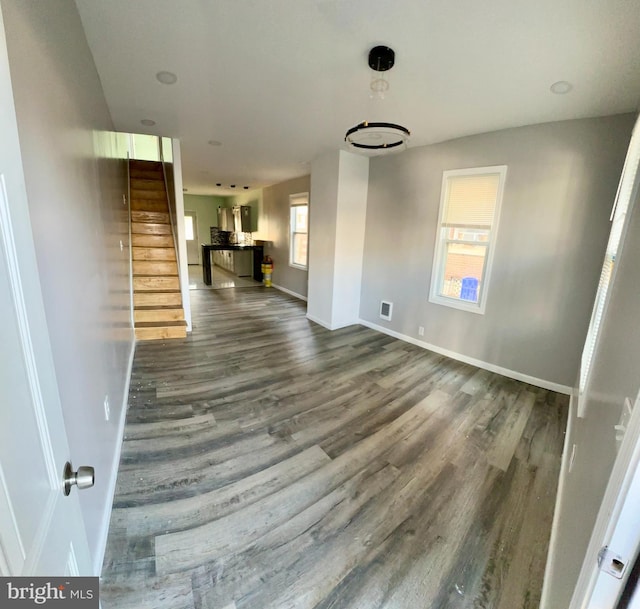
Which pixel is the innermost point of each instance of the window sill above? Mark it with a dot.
(454, 303)
(300, 267)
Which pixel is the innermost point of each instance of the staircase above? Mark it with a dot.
(157, 300)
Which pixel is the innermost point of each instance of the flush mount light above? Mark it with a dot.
(167, 78)
(147, 122)
(378, 137)
(214, 143)
(562, 87)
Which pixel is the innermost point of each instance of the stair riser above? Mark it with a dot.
(154, 253)
(150, 195)
(152, 240)
(161, 315)
(138, 184)
(151, 299)
(160, 333)
(155, 217)
(145, 174)
(154, 268)
(154, 284)
(142, 228)
(144, 205)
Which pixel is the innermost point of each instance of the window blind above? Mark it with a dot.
(471, 201)
(625, 195)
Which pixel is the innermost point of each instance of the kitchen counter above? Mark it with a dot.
(207, 248)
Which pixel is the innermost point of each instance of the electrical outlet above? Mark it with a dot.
(107, 410)
(420, 331)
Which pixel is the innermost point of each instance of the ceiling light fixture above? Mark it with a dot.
(167, 78)
(147, 122)
(562, 87)
(378, 137)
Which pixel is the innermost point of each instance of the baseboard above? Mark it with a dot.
(553, 540)
(290, 292)
(513, 374)
(319, 321)
(102, 543)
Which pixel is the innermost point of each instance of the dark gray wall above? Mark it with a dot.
(561, 182)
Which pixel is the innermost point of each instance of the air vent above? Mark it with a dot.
(386, 309)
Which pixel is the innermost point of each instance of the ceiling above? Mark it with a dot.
(277, 82)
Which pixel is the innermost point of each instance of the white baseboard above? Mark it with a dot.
(513, 374)
(320, 322)
(113, 474)
(562, 478)
(290, 292)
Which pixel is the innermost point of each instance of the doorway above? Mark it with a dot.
(191, 236)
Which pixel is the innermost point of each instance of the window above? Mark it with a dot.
(629, 183)
(299, 230)
(467, 225)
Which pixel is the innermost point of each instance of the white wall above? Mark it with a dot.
(322, 237)
(615, 376)
(75, 178)
(562, 178)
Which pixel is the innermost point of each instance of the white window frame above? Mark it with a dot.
(298, 200)
(623, 204)
(439, 257)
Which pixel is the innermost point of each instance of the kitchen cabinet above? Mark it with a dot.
(225, 219)
(242, 219)
(238, 262)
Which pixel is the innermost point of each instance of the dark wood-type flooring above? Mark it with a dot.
(271, 464)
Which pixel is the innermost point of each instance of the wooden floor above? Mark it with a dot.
(270, 464)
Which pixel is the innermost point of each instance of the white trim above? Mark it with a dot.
(8, 508)
(17, 294)
(513, 374)
(182, 243)
(619, 504)
(115, 463)
(324, 324)
(290, 292)
(42, 533)
(300, 199)
(72, 563)
(565, 469)
(438, 260)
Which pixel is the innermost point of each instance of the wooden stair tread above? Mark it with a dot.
(161, 324)
(158, 308)
(161, 333)
(154, 217)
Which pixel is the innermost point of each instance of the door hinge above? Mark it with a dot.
(611, 563)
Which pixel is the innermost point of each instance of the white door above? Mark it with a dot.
(41, 530)
(191, 236)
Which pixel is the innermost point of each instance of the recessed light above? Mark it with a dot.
(214, 143)
(167, 78)
(232, 185)
(147, 122)
(218, 184)
(246, 187)
(562, 87)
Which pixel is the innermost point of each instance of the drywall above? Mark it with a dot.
(75, 178)
(614, 378)
(323, 216)
(275, 205)
(562, 178)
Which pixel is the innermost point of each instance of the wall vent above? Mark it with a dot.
(386, 309)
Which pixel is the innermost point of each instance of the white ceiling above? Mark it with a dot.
(278, 82)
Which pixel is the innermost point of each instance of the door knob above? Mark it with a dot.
(83, 478)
